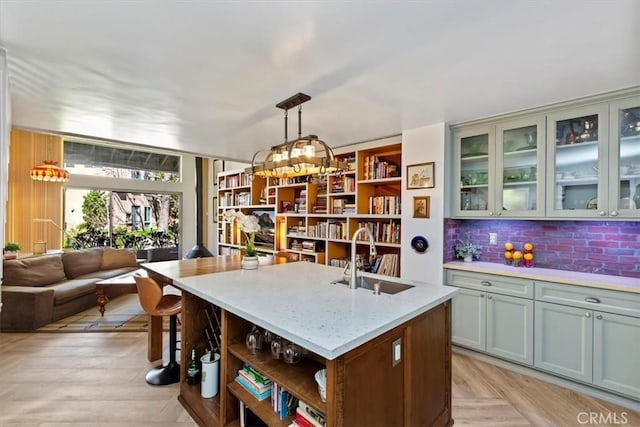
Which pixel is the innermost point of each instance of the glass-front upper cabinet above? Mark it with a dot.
(577, 160)
(474, 161)
(520, 168)
(499, 169)
(594, 162)
(624, 158)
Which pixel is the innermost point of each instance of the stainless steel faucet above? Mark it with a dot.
(372, 251)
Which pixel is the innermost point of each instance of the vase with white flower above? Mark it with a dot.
(249, 225)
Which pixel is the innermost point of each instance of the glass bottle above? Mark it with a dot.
(193, 369)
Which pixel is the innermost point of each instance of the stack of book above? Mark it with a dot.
(254, 382)
(306, 416)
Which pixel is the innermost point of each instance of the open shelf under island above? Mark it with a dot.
(388, 357)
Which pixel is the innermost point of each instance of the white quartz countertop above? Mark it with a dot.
(591, 280)
(297, 302)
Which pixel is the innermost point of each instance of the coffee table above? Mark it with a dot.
(123, 284)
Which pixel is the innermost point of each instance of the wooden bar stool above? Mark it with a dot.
(155, 303)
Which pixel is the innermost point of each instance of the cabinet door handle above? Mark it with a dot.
(599, 317)
(614, 213)
(481, 295)
(592, 299)
(489, 297)
(587, 314)
(485, 283)
(602, 213)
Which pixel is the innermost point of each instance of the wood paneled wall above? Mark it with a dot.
(29, 199)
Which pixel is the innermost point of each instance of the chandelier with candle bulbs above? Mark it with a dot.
(306, 155)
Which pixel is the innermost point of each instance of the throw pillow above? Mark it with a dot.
(118, 258)
(36, 271)
(77, 263)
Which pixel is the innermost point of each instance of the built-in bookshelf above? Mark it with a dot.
(251, 195)
(320, 228)
(315, 217)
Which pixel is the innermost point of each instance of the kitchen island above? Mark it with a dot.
(388, 357)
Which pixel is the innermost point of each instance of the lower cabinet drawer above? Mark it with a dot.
(505, 285)
(625, 303)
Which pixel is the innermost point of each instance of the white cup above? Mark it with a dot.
(210, 375)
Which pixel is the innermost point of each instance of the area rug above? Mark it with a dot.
(123, 314)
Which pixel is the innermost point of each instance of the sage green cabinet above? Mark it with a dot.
(589, 334)
(563, 340)
(500, 168)
(594, 161)
(489, 321)
(616, 353)
(624, 158)
(469, 319)
(576, 160)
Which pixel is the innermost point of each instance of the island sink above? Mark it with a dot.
(376, 285)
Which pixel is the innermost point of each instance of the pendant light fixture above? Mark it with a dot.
(49, 171)
(306, 155)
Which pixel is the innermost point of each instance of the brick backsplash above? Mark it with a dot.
(601, 247)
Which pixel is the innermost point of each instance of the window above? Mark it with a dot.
(120, 219)
(120, 162)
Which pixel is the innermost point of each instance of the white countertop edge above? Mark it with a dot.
(327, 354)
(410, 304)
(601, 281)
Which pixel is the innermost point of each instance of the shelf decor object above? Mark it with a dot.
(306, 155)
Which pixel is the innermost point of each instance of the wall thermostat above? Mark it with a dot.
(419, 244)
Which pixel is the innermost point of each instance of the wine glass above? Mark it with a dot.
(254, 340)
(277, 347)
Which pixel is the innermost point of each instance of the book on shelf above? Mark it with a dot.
(308, 416)
(247, 386)
(338, 206)
(386, 264)
(259, 388)
(255, 375)
(282, 402)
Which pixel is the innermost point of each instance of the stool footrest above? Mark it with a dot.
(164, 375)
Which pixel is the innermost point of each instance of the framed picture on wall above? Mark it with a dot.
(421, 207)
(421, 175)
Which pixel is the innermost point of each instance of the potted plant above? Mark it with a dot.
(467, 251)
(249, 225)
(11, 249)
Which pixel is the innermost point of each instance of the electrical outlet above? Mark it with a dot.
(397, 352)
(493, 238)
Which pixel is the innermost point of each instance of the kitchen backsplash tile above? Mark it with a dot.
(600, 247)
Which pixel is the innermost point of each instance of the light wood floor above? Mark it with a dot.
(97, 379)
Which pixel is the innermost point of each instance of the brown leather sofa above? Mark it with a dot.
(40, 290)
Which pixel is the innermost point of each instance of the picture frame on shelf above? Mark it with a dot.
(421, 206)
(421, 175)
(286, 206)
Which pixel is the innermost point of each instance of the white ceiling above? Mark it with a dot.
(204, 76)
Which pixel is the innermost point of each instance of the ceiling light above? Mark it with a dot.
(306, 155)
(49, 171)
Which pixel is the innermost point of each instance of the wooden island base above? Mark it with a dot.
(364, 386)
